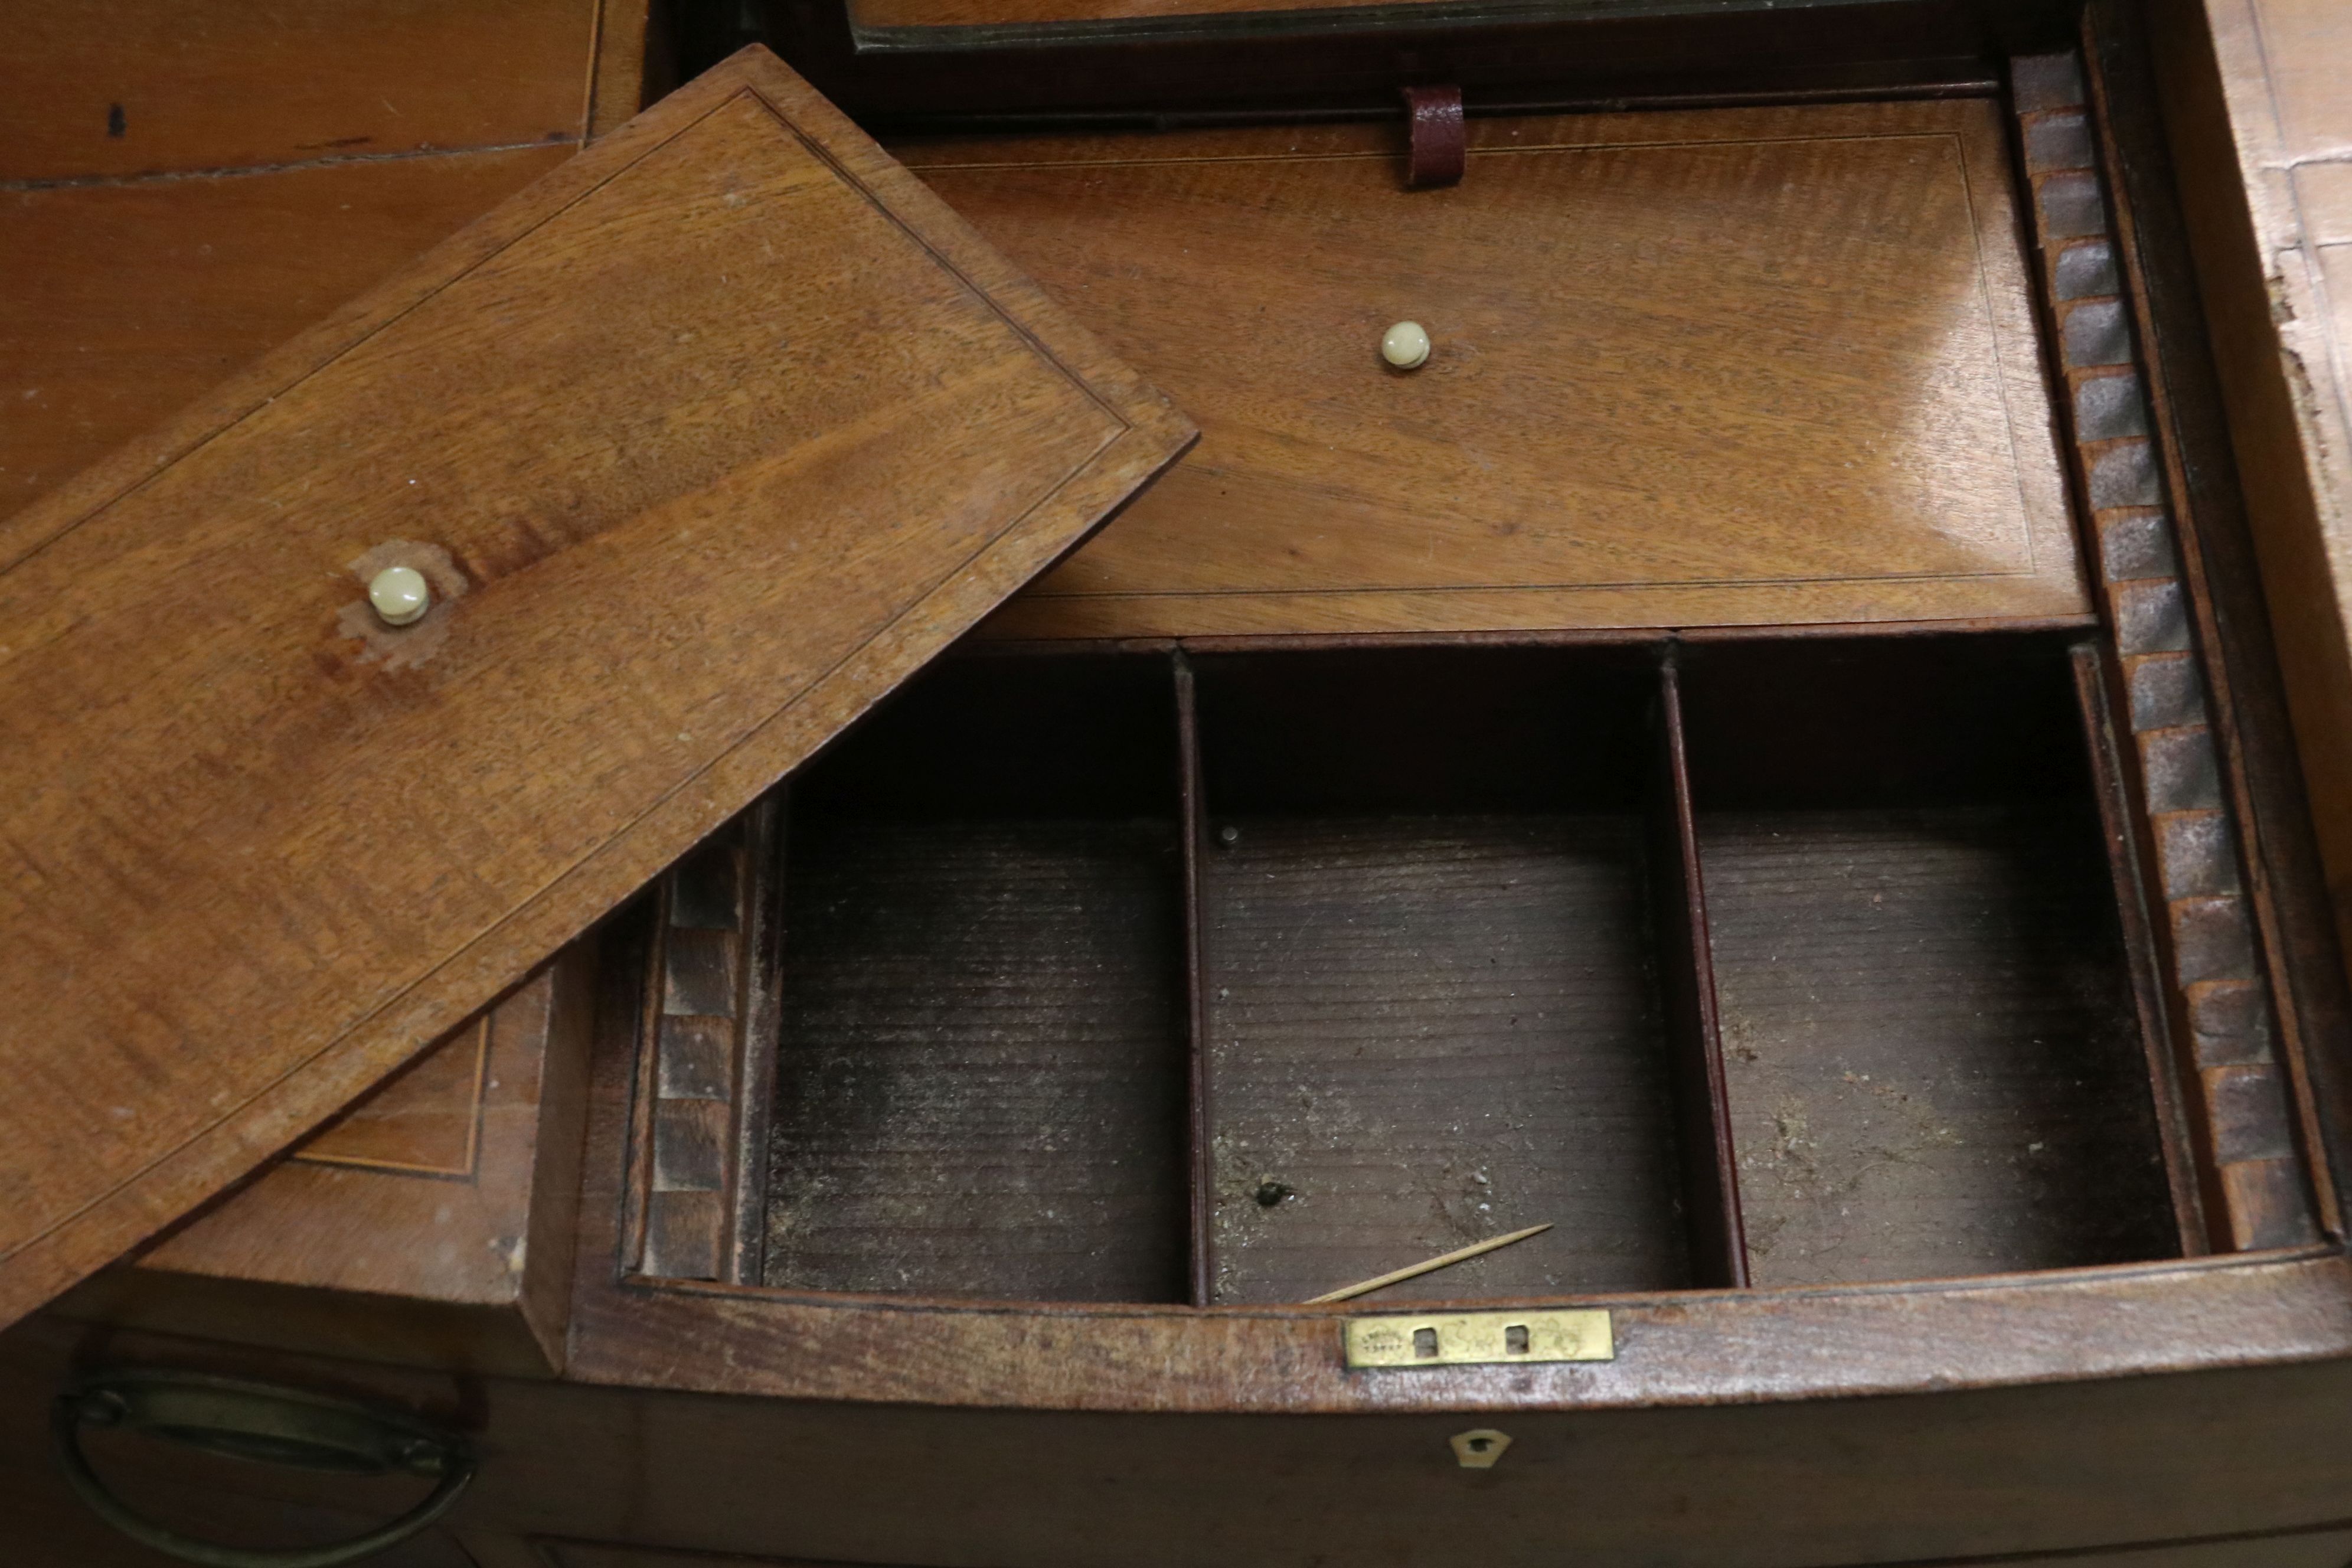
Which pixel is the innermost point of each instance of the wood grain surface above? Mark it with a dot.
(114, 87)
(236, 799)
(185, 191)
(432, 1223)
(1724, 366)
(129, 300)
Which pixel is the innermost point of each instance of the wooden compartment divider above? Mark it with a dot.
(1937, 1063)
(1200, 1201)
(1710, 1163)
(1439, 914)
(1433, 1005)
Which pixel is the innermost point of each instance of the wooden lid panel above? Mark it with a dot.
(705, 442)
(1743, 366)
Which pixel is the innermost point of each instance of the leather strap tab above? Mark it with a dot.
(1440, 145)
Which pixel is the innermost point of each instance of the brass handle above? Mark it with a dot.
(267, 1425)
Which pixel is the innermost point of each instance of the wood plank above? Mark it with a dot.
(271, 898)
(127, 300)
(2259, 125)
(112, 88)
(1732, 366)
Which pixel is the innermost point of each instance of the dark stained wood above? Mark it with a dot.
(891, 15)
(2047, 1468)
(1194, 828)
(1841, 1341)
(1703, 1350)
(2297, 1549)
(1429, 982)
(979, 1084)
(1424, 1031)
(612, 580)
(980, 1063)
(708, 1078)
(1793, 378)
(1710, 1159)
(762, 922)
(1933, 1069)
(1931, 1041)
(593, 1554)
(1323, 913)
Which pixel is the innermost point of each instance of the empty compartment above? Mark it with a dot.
(979, 1078)
(1934, 1062)
(1431, 1006)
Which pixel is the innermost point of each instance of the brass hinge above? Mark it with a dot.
(1480, 1338)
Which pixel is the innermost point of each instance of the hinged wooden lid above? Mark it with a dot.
(705, 442)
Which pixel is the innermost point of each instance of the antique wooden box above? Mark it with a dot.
(897, 922)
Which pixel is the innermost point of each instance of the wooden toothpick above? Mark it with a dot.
(1444, 1260)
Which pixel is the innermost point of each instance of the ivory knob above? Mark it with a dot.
(400, 595)
(1405, 345)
